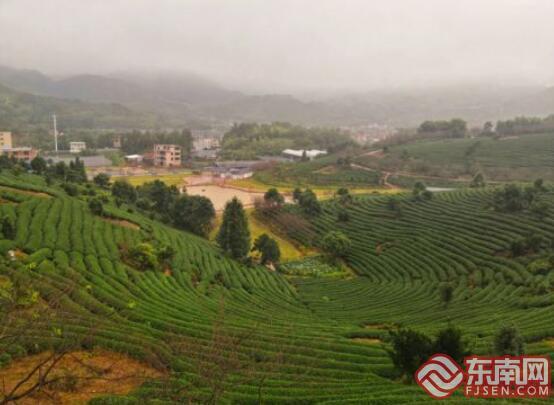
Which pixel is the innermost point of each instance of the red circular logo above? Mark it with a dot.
(439, 376)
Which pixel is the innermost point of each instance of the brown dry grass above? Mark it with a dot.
(27, 192)
(123, 223)
(85, 376)
(367, 341)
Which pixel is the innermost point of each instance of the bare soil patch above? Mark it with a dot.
(367, 341)
(82, 376)
(327, 170)
(379, 153)
(122, 222)
(219, 195)
(26, 192)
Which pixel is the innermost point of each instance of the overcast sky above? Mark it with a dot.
(283, 45)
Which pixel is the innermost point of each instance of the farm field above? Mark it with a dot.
(504, 159)
(307, 336)
(177, 179)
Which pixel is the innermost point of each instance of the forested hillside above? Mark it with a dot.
(248, 141)
(21, 112)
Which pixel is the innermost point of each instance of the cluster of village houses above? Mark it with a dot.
(205, 146)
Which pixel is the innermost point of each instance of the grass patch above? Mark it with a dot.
(174, 179)
(314, 266)
(253, 184)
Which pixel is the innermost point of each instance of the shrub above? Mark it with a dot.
(194, 213)
(449, 341)
(336, 244)
(268, 248)
(273, 199)
(124, 191)
(70, 189)
(102, 179)
(96, 207)
(409, 350)
(508, 341)
(8, 228)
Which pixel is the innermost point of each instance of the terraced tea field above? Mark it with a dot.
(304, 333)
(512, 158)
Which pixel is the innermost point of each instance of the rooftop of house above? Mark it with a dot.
(311, 153)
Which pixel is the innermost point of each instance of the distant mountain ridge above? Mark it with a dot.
(183, 98)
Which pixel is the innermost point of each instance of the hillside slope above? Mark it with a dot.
(308, 323)
(23, 112)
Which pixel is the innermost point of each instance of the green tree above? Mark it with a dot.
(539, 186)
(165, 255)
(508, 341)
(420, 192)
(268, 248)
(161, 195)
(409, 350)
(194, 214)
(234, 235)
(450, 341)
(70, 189)
(102, 179)
(8, 227)
(96, 206)
(488, 128)
(124, 191)
(343, 195)
(478, 181)
(336, 244)
(77, 172)
(38, 165)
(309, 203)
(143, 256)
(60, 170)
(540, 208)
(273, 199)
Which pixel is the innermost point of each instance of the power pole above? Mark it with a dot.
(55, 133)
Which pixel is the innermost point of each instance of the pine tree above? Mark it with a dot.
(234, 235)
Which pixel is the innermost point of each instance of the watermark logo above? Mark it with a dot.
(487, 377)
(507, 377)
(440, 376)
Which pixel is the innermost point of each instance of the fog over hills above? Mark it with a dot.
(185, 97)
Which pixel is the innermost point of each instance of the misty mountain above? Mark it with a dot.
(135, 88)
(185, 99)
(22, 112)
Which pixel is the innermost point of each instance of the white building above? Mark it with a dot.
(234, 173)
(77, 147)
(205, 143)
(298, 154)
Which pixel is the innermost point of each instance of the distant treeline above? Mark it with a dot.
(247, 141)
(455, 128)
(525, 125)
(440, 129)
